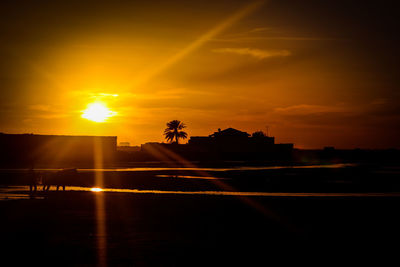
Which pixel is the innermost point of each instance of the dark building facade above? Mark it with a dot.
(224, 145)
(56, 150)
(233, 141)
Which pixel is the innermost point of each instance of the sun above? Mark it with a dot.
(97, 112)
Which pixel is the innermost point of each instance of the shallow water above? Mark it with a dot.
(189, 177)
(214, 169)
(233, 193)
(22, 192)
(16, 192)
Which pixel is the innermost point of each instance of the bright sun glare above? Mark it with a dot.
(97, 112)
(96, 189)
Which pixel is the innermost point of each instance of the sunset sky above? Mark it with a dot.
(317, 73)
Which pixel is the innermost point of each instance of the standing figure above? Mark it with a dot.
(45, 181)
(32, 181)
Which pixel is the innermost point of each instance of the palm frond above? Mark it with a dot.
(182, 135)
(169, 136)
(175, 124)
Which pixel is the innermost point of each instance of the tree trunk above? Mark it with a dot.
(176, 136)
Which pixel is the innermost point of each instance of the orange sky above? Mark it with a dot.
(316, 74)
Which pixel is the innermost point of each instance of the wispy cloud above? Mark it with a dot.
(260, 29)
(39, 107)
(266, 38)
(173, 93)
(305, 115)
(40, 111)
(263, 34)
(253, 52)
(305, 109)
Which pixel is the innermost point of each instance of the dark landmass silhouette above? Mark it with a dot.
(182, 230)
(337, 212)
(31, 150)
(234, 145)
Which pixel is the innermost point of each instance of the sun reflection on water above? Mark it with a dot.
(96, 189)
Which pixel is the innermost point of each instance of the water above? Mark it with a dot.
(22, 192)
(16, 193)
(200, 169)
(189, 177)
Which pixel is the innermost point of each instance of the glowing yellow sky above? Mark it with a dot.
(240, 64)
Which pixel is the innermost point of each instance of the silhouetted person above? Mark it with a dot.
(39, 178)
(32, 181)
(45, 182)
(60, 180)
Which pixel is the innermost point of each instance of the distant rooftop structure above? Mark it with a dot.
(232, 139)
(124, 144)
(225, 144)
(127, 148)
(230, 132)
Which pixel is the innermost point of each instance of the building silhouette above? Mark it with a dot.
(56, 150)
(226, 144)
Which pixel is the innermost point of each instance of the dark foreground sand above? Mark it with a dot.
(198, 230)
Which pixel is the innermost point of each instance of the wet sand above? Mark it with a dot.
(177, 218)
(318, 179)
(194, 230)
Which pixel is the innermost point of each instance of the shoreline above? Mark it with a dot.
(22, 192)
(177, 230)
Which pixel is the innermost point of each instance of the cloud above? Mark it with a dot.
(39, 107)
(246, 39)
(260, 29)
(305, 109)
(40, 111)
(264, 34)
(168, 94)
(317, 115)
(253, 52)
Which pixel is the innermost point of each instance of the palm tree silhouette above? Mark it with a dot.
(173, 131)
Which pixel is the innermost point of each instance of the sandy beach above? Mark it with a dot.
(169, 229)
